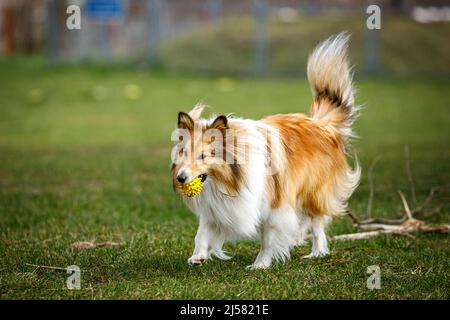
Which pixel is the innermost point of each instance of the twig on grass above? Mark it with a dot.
(405, 205)
(47, 267)
(361, 235)
(427, 200)
(406, 225)
(82, 245)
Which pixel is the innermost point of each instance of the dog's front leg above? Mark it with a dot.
(203, 240)
(279, 233)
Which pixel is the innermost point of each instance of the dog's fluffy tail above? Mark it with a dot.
(330, 77)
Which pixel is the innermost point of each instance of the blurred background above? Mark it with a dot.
(86, 118)
(249, 37)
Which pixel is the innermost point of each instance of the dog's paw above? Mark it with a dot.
(317, 254)
(196, 260)
(258, 266)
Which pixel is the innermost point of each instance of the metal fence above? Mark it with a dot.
(134, 30)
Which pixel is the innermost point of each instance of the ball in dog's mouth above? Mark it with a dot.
(194, 187)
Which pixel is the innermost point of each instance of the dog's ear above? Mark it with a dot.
(185, 121)
(221, 123)
(196, 112)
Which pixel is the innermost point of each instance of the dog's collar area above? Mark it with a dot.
(203, 177)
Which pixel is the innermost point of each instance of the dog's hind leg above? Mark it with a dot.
(319, 238)
(304, 222)
(278, 235)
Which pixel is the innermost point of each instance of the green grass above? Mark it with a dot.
(79, 161)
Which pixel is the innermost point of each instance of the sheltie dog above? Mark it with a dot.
(278, 177)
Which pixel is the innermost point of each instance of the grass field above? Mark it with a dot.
(85, 153)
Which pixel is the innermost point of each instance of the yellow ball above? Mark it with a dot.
(191, 189)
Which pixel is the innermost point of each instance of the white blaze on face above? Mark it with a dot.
(186, 172)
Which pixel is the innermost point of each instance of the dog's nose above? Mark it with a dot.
(181, 177)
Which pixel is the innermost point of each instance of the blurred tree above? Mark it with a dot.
(22, 26)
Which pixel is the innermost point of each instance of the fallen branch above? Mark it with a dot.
(361, 235)
(375, 220)
(405, 206)
(404, 229)
(404, 226)
(373, 227)
(427, 200)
